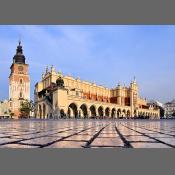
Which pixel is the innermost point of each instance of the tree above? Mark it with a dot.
(173, 114)
(11, 113)
(25, 108)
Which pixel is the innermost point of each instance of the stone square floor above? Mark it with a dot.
(87, 133)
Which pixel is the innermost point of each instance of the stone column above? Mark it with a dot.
(89, 115)
(115, 114)
(80, 113)
(110, 113)
(71, 113)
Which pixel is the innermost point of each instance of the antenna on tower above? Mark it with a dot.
(19, 39)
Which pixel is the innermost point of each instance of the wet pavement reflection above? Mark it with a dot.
(87, 133)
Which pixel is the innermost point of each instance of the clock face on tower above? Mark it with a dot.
(20, 68)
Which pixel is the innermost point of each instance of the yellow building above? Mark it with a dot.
(58, 96)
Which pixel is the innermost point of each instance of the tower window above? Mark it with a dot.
(20, 81)
(20, 95)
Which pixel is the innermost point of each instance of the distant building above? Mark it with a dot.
(57, 95)
(159, 105)
(169, 108)
(4, 109)
(19, 81)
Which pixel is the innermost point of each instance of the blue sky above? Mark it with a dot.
(105, 54)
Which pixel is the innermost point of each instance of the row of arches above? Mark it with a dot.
(43, 111)
(92, 112)
(147, 115)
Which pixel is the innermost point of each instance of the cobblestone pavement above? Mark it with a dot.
(87, 134)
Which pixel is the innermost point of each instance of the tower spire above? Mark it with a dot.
(19, 49)
(19, 57)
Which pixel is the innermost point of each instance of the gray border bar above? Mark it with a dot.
(87, 161)
(87, 12)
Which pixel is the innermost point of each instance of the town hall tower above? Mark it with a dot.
(19, 81)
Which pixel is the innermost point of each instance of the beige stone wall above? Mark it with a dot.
(60, 99)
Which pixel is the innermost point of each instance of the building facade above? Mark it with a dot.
(159, 105)
(4, 109)
(169, 108)
(19, 81)
(57, 95)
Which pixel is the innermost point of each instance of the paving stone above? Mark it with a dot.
(84, 134)
(132, 135)
(146, 131)
(22, 137)
(67, 144)
(138, 138)
(42, 140)
(7, 140)
(107, 142)
(108, 135)
(61, 134)
(113, 147)
(89, 132)
(17, 146)
(128, 132)
(4, 135)
(168, 140)
(79, 137)
(164, 131)
(149, 145)
(108, 132)
(159, 135)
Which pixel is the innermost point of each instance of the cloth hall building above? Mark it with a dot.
(57, 95)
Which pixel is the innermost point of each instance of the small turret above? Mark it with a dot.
(133, 84)
(42, 75)
(47, 70)
(52, 69)
(119, 85)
